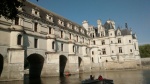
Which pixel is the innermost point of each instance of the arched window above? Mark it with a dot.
(19, 38)
(53, 45)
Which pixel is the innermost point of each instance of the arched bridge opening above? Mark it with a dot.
(62, 64)
(1, 64)
(36, 62)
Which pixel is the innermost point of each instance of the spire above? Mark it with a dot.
(126, 25)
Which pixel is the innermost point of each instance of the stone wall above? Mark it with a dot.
(145, 63)
(119, 65)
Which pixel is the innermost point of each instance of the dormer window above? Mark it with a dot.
(49, 18)
(35, 12)
(60, 22)
(102, 34)
(69, 25)
(82, 31)
(76, 28)
(118, 33)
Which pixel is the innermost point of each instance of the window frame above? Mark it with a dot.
(35, 43)
(19, 39)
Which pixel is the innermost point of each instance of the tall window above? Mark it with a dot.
(61, 34)
(17, 21)
(77, 49)
(92, 52)
(83, 39)
(69, 35)
(135, 46)
(119, 40)
(50, 30)
(103, 51)
(129, 41)
(19, 38)
(53, 45)
(73, 48)
(112, 51)
(93, 35)
(130, 50)
(35, 43)
(103, 42)
(61, 47)
(92, 59)
(120, 49)
(94, 42)
(35, 26)
(111, 41)
(102, 33)
(77, 38)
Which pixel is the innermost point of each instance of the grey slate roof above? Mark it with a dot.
(125, 31)
(43, 12)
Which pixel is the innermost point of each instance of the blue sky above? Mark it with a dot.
(134, 12)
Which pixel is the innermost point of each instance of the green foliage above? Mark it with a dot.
(144, 50)
(8, 8)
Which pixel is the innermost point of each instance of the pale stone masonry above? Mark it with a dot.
(54, 45)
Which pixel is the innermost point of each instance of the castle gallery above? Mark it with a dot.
(50, 45)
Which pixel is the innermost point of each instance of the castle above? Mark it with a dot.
(53, 45)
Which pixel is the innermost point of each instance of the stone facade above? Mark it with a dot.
(53, 45)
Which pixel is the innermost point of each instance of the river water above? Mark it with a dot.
(119, 77)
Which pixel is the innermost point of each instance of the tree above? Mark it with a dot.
(144, 50)
(9, 8)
